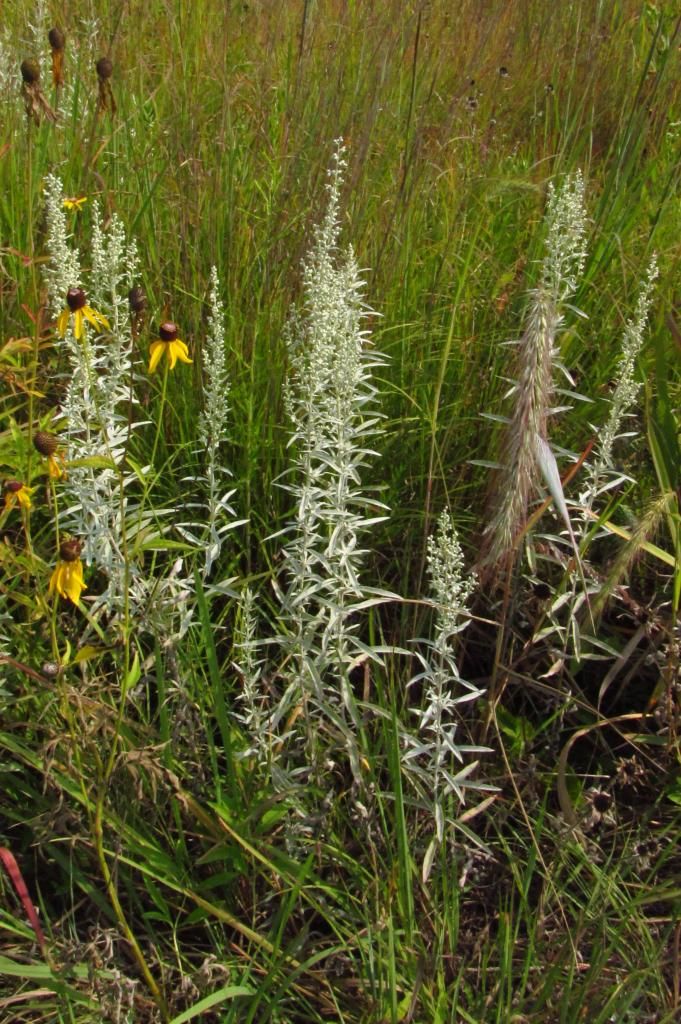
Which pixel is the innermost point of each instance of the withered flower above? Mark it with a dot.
(36, 105)
(137, 300)
(57, 43)
(48, 446)
(105, 99)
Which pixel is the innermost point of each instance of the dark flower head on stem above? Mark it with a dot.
(17, 493)
(75, 299)
(168, 344)
(69, 550)
(56, 38)
(168, 331)
(77, 307)
(104, 68)
(137, 299)
(30, 71)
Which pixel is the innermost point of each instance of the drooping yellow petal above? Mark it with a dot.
(63, 321)
(56, 472)
(156, 350)
(96, 319)
(78, 324)
(24, 496)
(74, 203)
(55, 580)
(178, 350)
(18, 495)
(73, 583)
(67, 580)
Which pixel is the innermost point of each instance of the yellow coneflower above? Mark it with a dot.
(17, 493)
(74, 202)
(67, 578)
(77, 307)
(48, 446)
(168, 343)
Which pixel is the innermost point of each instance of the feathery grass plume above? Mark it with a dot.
(526, 432)
(331, 402)
(97, 395)
(429, 754)
(645, 530)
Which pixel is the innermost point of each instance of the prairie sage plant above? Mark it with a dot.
(331, 402)
(216, 513)
(98, 395)
(431, 754)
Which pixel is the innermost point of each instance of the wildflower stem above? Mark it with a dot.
(159, 424)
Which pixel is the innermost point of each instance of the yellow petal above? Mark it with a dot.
(73, 583)
(96, 319)
(63, 321)
(24, 496)
(56, 580)
(155, 352)
(178, 350)
(54, 469)
(78, 324)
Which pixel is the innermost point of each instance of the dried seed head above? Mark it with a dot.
(104, 68)
(51, 669)
(69, 550)
(45, 443)
(168, 331)
(601, 801)
(75, 299)
(57, 38)
(137, 299)
(13, 486)
(30, 71)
